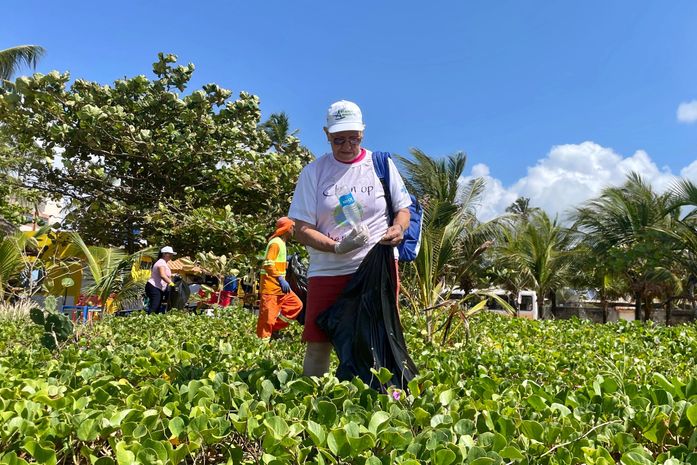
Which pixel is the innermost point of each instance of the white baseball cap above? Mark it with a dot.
(344, 116)
(168, 249)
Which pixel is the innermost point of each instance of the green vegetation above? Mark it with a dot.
(141, 160)
(180, 388)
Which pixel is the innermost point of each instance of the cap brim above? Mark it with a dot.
(338, 127)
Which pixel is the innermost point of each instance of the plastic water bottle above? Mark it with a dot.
(349, 205)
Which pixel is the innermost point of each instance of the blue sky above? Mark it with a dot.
(551, 100)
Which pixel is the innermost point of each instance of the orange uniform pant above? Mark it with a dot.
(272, 307)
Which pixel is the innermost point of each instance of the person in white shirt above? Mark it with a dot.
(160, 279)
(336, 248)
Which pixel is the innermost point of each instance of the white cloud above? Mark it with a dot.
(569, 175)
(687, 112)
(690, 171)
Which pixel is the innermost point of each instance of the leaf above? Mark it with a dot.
(37, 316)
(317, 433)
(123, 455)
(336, 441)
(384, 375)
(444, 457)
(512, 453)
(87, 431)
(691, 413)
(326, 413)
(532, 429)
(176, 426)
(446, 397)
(378, 419)
(483, 461)
(11, 459)
(42, 453)
(277, 426)
(636, 457)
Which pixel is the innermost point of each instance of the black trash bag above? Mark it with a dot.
(364, 325)
(296, 275)
(178, 294)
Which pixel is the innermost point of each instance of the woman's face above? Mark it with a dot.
(346, 145)
(166, 256)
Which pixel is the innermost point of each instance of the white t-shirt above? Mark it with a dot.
(315, 202)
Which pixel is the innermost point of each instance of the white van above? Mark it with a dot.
(525, 302)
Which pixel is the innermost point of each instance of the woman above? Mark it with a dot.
(336, 249)
(160, 278)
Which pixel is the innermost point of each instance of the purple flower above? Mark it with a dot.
(396, 395)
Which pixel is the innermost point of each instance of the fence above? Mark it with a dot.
(623, 311)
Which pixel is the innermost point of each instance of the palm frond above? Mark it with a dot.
(11, 59)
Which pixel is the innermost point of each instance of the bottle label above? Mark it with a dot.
(346, 200)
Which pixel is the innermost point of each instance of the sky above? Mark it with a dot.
(549, 100)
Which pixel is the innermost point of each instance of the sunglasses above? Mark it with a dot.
(342, 140)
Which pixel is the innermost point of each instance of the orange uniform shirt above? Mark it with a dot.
(273, 268)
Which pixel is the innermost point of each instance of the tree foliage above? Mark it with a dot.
(452, 239)
(139, 160)
(623, 226)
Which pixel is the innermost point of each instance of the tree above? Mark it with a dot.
(137, 161)
(11, 59)
(277, 128)
(451, 239)
(539, 250)
(521, 208)
(621, 228)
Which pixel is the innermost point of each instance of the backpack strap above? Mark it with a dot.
(382, 169)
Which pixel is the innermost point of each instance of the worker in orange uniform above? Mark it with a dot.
(276, 296)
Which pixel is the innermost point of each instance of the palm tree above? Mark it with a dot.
(11, 59)
(451, 238)
(539, 250)
(111, 270)
(620, 227)
(18, 256)
(277, 127)
(521, 208)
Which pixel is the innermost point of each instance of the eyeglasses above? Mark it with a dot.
(342, 140)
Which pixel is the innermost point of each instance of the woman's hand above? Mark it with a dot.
(393, 236)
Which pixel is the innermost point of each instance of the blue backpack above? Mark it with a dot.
(409, 248)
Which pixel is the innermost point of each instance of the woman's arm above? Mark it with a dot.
(306, 234)
(395, 233)
(163, 273)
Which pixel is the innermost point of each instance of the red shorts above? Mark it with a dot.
(322, 292)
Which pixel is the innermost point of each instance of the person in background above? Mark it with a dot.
(276, 296)
(160, 279)
(336, 248)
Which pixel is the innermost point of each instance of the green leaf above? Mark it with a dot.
(37, 316)
(378, 419)
(337, 441)
(446, 397)
(87, 431)
(42, 453)
(384, 375)
(444, 457)
(11, 459)
(636, 457)
(532, 429)
(692, 414)
(512, 453)
(317, 433)
(326, 413)
(483, 461)
(277, 426)
(123, 455)
(176, 426)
